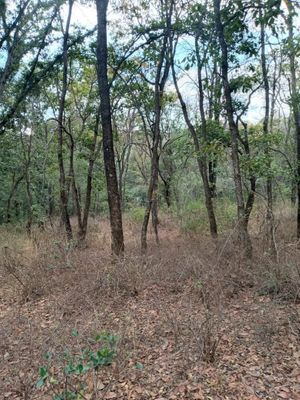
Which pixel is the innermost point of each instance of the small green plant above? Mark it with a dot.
(139, 366)
(73, 374)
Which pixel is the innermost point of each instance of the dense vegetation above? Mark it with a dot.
(199, 102)
(150, 199)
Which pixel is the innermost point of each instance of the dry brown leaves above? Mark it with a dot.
(160, 322)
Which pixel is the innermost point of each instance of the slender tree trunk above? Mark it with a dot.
(161, 77)
(75, 190)
(13, 189)
(122, 164)
(204, 130)
(241, 211)
(155, 220)
(124, 173)
(62, 178)
(294, 100)
(214, 115)
(269, 186)
(108, 145)
(27, 158)
(153, 184)
(167, 189)
(251, 195)
(17, 209)
(201, 164)
(250, 199)
(50, 201)
(89, 183)
(212, 176)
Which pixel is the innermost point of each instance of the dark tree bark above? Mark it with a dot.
(167, 181)
(14, 186)
(153, 184)
(214, 111)
(50, 201)
(27, 150)
(234, 131)
(75, 189)
(108, 145)
(252, 178)
(294, 99)
(266, 123)
(63, 194)
(89, 183)
(212, 177)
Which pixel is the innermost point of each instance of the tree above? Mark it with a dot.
(266, 129)
(201, 161)
(108, 144)
(295, 107)
(234, 131)
(16, 44)
(161, 76)
(60, 131)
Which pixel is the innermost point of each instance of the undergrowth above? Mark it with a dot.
(192, 267)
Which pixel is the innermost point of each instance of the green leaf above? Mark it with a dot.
(75, 332)
(48, 355)
(139, 365)
(53, 381)
(40, 383)
(43, 372)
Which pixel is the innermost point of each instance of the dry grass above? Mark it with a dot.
(187, 304)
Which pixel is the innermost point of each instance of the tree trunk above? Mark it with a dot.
(75, 190)
(241, 211)
(201, 164)
(93, 155)
(65, 219)
(209, 195)
(212, 176)
(27, 161)
(153, 186)
(13, 189)
(50, 201)
(167, 189)
(161, 77)
(294, 100)
(269, 186)
(108, 145)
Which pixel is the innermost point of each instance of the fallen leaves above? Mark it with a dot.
(160, 356)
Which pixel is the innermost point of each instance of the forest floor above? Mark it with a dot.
(192, 320)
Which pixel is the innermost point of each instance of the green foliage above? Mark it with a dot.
(101, 352)
(136, 214)
(260, 163)
(43, 374)
(134, 49)
(218, 139)
(194, 215)
(243, 83)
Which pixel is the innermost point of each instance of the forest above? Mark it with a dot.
(150, 199)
